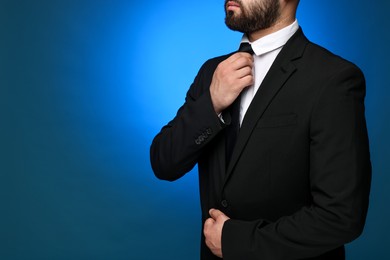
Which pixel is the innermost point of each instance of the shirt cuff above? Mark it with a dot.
(221, 118)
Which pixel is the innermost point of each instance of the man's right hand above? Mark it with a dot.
(230, 78)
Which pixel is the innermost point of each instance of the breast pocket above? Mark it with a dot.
(277, 121)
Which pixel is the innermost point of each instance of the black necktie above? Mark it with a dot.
(233, 129)
(246, 47)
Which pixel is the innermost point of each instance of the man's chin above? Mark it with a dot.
(233, 28)
(232, 24)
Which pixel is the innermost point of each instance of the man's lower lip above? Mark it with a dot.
(232, 7)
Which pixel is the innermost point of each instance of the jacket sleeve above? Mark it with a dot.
(340, 175)
(175, 150)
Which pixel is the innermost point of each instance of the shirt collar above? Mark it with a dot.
(272, 41)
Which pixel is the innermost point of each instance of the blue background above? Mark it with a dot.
(85, 86)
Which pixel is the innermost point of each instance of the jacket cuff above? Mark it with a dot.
(236, 240)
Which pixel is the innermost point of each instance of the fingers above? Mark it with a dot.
(241, 68)
(240, 60)
(240, 55)
(208, 223)
(235, 69)
(213, 231)
(247, 80)
(229, 79)
(243, 72)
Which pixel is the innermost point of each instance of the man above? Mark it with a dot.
(279, 136)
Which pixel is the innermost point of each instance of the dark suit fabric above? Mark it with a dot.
(297, 184)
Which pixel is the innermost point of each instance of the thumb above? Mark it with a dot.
(215, 213)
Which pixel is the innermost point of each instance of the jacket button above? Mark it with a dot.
(224, 203)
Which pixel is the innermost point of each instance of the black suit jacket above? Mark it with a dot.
(297, 184)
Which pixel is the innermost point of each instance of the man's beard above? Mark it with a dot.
(261, 15)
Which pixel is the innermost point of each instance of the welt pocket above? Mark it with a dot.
(277, 121)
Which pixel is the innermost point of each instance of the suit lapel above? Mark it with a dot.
(279, 73)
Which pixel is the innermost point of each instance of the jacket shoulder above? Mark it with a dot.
(316, 55)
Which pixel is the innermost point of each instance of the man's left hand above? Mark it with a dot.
(213, 231)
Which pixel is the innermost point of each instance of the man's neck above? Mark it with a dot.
(280, 24)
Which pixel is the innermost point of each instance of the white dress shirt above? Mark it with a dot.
(266, 49)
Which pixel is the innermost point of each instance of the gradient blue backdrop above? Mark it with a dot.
(85, 86)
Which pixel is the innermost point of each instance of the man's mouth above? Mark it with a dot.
(231, 6)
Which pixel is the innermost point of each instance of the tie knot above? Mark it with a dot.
(246, 47)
